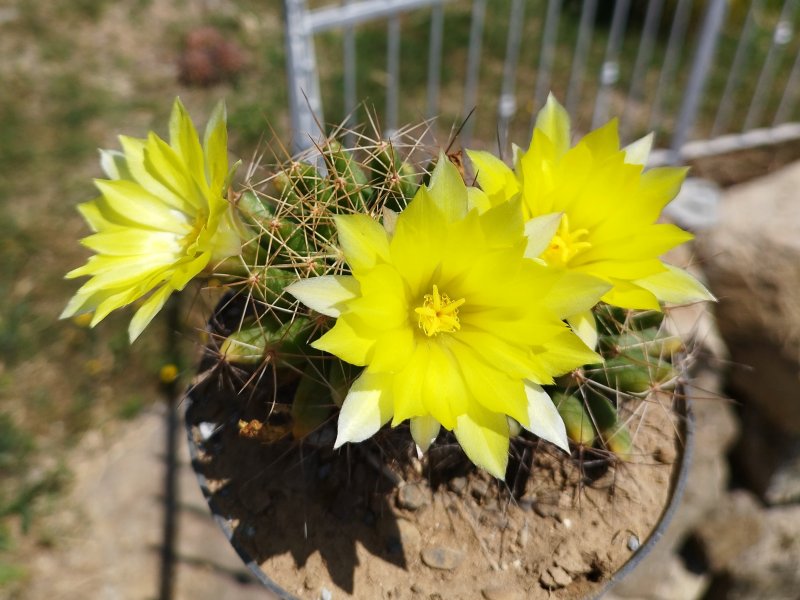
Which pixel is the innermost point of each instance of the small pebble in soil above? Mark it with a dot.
(547, 510)
(555, 578)
(411, 497)
(457, 485)
(633, 543)
(498, 592)
(523, 536)
(325, 594)
(442, 557)
(479, 489)
(567, 523)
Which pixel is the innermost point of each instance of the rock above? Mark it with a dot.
(569, 558)
(442, 557)
(412, 497)
(547, 510)
(501, 592)
(768, 568)
(751, 259)
(663, 578)
(457, 485)
(768, 459)
(733, 527)
(479, 489)
(554, 578)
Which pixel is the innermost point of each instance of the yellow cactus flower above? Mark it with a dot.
(161, 218)
(607, 206)
(455, 325)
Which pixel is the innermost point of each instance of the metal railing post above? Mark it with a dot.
(709, 34)
(305, 104)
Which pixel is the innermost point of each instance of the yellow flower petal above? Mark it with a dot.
(424, 431)
(325, 294)
(626, 294)
(363, 241)
(544, 418)
(447, 189)
(553, 121)
(367, 406)
(347, 341)
(539, 231)
(484, 437)
(158, 222)
(585, 327)
(676, 286)
(147, 311)
(494, 177)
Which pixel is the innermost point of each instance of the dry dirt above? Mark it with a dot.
(372, 521)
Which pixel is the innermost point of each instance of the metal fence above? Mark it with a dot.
(709, 76)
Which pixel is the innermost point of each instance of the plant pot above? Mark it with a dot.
(373, 521)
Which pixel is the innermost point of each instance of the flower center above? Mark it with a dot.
(565, 244)
(438, 313)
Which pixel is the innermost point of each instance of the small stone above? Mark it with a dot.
(501, 592)
(479, 489)
(442, 557)
(633, 543)
(555, 578)
(523, 536)
(411, 497)
(458, 485)
(325, 594)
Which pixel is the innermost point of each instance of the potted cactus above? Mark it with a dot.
(416, 375)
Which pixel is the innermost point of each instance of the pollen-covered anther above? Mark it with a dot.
(438, 314)
(566, 244)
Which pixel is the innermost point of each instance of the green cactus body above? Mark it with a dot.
(395, 180)
(254, 343)
(255, 208)
(348, 180)
(312, 404)
(613, 432)
(580, 429)
(650, 340)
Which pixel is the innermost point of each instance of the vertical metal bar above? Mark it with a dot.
(609, 73)
(393, 75)
(715, 16)
(435, 59)
(727, 104)
(473, 66)
(305, 104)
(780, 37)
(789, 97)
(507, 104)
(579, 57)
(643, 57)
(677, 38)
(349, 78)
(549, 37)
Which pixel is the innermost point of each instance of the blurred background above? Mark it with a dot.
(82, 418)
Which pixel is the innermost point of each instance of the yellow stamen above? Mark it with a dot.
(565, 244)
(438, 313)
